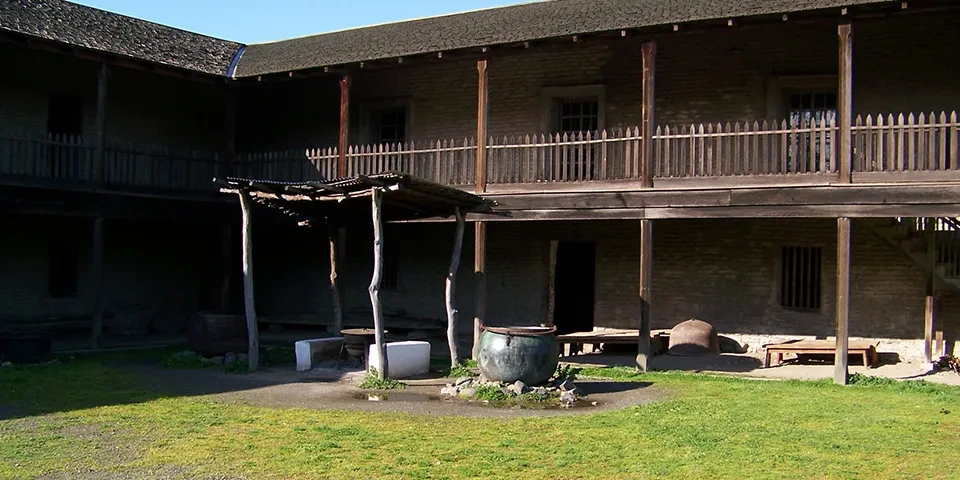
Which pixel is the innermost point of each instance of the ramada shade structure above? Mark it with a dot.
(388, 196)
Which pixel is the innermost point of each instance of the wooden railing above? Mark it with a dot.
(911, 143)
(289, 165)
(567, 157)
(767, 148)
(450, 162)
(70, 159)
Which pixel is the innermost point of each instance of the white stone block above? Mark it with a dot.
(313, 351)
(404, 359)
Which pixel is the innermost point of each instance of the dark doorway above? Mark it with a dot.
(574, 287)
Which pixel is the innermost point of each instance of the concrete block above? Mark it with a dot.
(404, 359)
(311, 352)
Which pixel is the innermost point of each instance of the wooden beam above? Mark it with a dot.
(646, 279)
(928, 305)
(96, 294)
(647, 115)
(253, 335)
(845, 102)
(374, 289)
(549, 269)
(480, 232)
(333, 238)
(450, 290)
(103, 77)
(344, 137)
(840, 373)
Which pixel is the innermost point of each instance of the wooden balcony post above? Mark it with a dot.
(928, 304)
(646, 278)
(229, 134)
(845, 103)
(480, 231)
(96, 285)
(344, 127)
(840, 373)
(647, 119)
(103, 77)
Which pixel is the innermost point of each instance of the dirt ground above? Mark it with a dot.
(337, 389)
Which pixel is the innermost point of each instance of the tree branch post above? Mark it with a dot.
(253, 336)
(450, 290)
(377, 204)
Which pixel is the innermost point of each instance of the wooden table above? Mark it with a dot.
(823, 347)
(577, 340)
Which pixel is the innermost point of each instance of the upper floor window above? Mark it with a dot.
(577, 114)
(65, 115)
(386, 121)
(806, 107)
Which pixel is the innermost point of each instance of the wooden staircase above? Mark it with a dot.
(915, 236)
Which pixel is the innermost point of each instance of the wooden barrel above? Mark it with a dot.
(216, 334)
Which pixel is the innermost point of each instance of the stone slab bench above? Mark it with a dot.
(404, 359)
(313, 351)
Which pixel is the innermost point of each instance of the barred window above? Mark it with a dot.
(800, 282)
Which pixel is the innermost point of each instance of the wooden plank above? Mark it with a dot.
(103, 77)
(344, 132)
(845, 102)
(646, 280)
(96, 287)
(647, 120)
(841, 373)
(906, 176)
(450, 286)
(549, 269)
(253, 339)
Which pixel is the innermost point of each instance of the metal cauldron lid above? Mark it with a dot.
(529, 331)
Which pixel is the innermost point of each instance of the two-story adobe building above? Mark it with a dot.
(781, 169)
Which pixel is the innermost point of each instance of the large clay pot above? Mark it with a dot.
(528, 354)
(215, 335)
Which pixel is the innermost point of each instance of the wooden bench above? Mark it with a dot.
(821, 347)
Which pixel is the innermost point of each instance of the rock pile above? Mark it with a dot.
(467, 387)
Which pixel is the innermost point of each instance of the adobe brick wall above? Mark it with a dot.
(154, 269)
(141, 107)
(720, 271)
(701, 77)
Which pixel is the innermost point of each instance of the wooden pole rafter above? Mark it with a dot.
(480, 231)
(841, 374)
(845, 103)
(333, 238)
(344, 136)
(646, 278)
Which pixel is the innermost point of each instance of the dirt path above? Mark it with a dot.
(328, 389)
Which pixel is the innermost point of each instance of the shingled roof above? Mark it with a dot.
(504, 25)
(108, 32)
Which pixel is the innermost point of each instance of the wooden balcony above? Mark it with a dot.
(68, 161)
(901, 148)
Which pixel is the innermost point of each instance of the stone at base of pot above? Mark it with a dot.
(568, 399)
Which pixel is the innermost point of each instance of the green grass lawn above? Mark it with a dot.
(87, 415)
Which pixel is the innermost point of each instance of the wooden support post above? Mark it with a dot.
(929, 308)
(99, 171)
(845, 103)
(377, 203)
(548, 268)
(96, 283)
(480, 233)
(647, 121)
(333, 238)
(253, 335)
(840, 374)
(450, 290)
(226, 267)
(225, 168)
(646, 279)
(344, 127)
